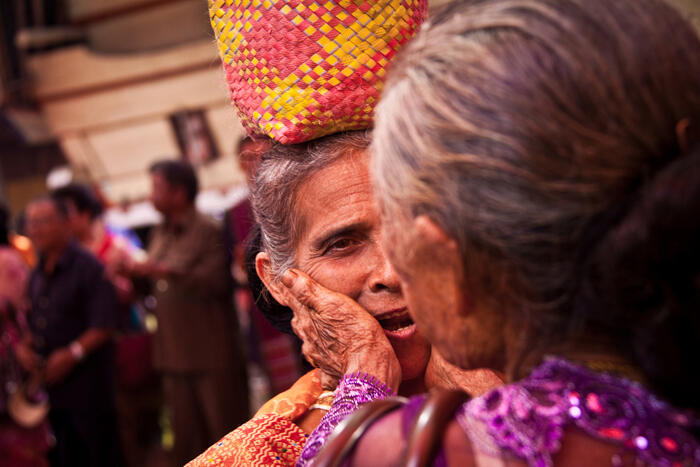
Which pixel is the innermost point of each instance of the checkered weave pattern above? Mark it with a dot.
(301, 69)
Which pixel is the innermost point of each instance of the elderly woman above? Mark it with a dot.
(317, 214)
(537, 164)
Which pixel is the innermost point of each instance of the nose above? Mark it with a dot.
(383, 276)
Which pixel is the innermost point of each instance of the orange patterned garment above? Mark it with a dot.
(271, 437)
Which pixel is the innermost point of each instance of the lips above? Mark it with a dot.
(396, 323)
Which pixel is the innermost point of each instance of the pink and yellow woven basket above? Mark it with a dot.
(301, 69)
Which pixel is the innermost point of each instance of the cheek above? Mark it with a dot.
(345, 275)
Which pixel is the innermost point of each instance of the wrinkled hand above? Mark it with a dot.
(339, 335)
(441, 373)
(58, 366)
(27, 358)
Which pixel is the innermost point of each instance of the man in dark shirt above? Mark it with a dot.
(73, 311)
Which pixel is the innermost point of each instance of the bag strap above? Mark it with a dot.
(349, 431)
(429, 426)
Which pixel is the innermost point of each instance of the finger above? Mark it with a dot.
(299, 328)
(306, 351)
(307, 291)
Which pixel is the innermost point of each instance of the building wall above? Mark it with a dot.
(115, 120)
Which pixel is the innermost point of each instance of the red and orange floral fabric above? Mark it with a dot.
(271, 437)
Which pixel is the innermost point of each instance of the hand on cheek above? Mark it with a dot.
(339, 335)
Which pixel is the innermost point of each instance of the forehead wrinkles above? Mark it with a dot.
(352, 164)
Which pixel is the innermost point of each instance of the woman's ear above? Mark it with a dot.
(262, 267)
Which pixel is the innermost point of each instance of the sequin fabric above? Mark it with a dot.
(353, 390)
(528, 418)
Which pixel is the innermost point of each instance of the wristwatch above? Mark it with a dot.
(77, 350)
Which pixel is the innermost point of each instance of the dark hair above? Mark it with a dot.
(645, 273)
(277, 314)
(81, 196)
(543, 136)
(178, 174)
(59, 204)
(4, 224)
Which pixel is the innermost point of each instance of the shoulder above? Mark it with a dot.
(83, 258)
(266, 439)
(295, 401)
(204, 223)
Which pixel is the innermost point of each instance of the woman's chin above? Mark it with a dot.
(413, 355)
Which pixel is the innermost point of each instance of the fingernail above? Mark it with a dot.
(288, 278)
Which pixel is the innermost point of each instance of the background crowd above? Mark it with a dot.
(125, 347)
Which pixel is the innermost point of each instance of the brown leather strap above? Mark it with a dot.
(349, 431)
(429, 426)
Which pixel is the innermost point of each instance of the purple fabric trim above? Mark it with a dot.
(354, 390)
(528, 418)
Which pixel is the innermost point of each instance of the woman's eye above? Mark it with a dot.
(342, 245)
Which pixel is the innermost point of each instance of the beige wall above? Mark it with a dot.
(111, 113)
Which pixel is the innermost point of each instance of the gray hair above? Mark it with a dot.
(527, 130)
(282, 172)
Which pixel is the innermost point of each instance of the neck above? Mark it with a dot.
(86, 238)
(412, 387)
(177, 215)
(596, 354)
(51, 256)
(93, 239)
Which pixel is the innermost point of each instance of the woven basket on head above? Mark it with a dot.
(301, 69)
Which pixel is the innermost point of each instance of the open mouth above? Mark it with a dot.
(395, 321)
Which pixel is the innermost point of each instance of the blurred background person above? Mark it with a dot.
(270, 352)
(113, 250)
(197, 345)
(138, 395)
(73, 312)
(20, 445)
(19, 243)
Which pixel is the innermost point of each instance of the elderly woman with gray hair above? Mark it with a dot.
(537, 166)
(316, 212)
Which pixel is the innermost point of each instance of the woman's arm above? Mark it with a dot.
(353, 390)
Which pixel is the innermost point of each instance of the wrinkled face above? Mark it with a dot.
(340, 247)
(45, 226)
(469, 335)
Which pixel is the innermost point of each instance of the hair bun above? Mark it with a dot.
(648, 269)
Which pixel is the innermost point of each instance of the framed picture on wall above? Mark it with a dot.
(196, 142)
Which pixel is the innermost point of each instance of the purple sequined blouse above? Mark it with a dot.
(527, 419)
